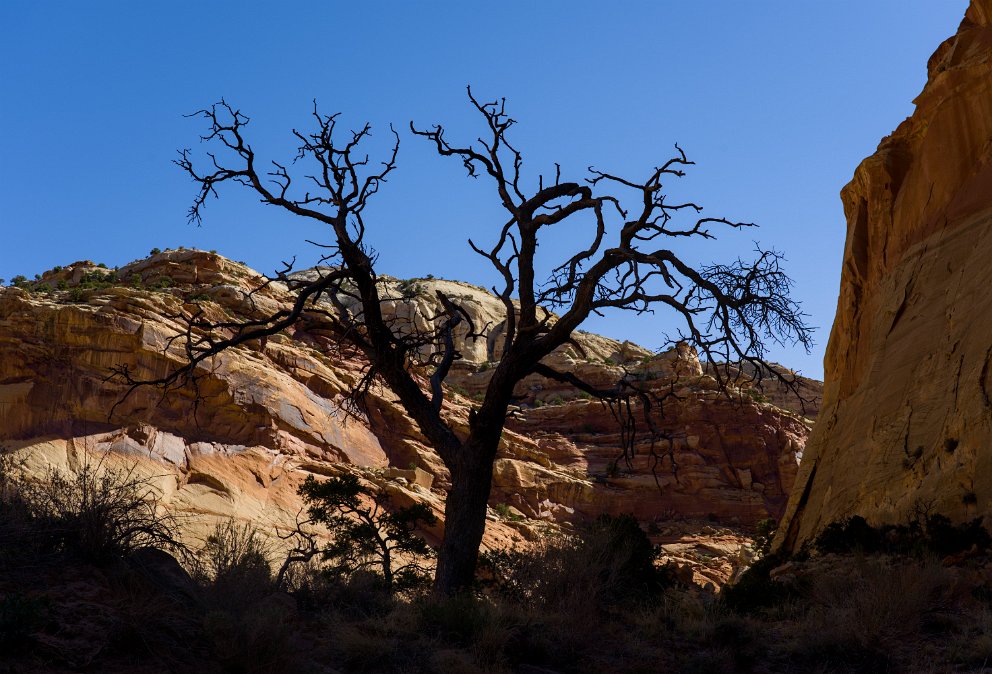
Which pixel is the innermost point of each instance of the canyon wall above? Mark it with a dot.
(905, 422)
(269, 413)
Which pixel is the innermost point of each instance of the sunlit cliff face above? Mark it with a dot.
(906, 418)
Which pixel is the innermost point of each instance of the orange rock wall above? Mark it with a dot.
(906, 417)
(269, 414)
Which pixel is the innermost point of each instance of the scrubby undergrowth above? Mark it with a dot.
(90, 580)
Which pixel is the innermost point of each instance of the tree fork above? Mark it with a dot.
(728, 312)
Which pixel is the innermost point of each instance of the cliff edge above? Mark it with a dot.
(906, 421)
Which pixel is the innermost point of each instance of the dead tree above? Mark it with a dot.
(727, 311)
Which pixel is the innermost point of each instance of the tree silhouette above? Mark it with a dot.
(727, 311)
(366, 533)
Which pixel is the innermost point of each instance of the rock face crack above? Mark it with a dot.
(983, 379)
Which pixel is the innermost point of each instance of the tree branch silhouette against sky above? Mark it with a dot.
(777, 102)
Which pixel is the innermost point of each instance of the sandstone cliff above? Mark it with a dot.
(269, 414)
(906, 419)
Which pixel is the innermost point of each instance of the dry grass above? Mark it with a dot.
(591, 603)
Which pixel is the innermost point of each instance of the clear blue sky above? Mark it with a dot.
(777, 101)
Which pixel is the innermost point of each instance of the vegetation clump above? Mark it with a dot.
(368, 534)
(609, 561)
(96, 514)
(926, 533)
(593, 600)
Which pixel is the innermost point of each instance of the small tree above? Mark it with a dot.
(365, 534)
(727, 311)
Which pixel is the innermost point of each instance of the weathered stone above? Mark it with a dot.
(270, 413)
(906, 409)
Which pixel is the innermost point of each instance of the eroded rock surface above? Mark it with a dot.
(267, 414)
(906, 418)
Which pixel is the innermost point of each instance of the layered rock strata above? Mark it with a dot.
(267, 414)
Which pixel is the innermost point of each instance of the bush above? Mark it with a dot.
(764, 533)
(234, 562)
(755, 590)
(849, 535)
(868, 616)
(457, 619)
(945, 538)
(249, 625)
(503, 511)
(97, 514)
(610, 562)
(261, 638)
(928, 533)
(367, 535)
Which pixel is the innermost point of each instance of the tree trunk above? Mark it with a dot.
(465, 518)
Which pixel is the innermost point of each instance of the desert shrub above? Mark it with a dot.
(368, 534)
(457, 619)
(764, 533)
(625, 556)
(358, 596)
(869, 615)
(849, 535)
(945, 538)
(157, 612)
(755, 589)
(611, 561)
(971, 647)
(756, 395)
(503, 511)
(233, 567)
(18, 543)
(98, 279)
(234, 549)
(264, 638)
(369, 648)
(928, 533)
(410, 289)
(249, 626)
(96, 514)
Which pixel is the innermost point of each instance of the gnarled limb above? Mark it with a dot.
(729, 312)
